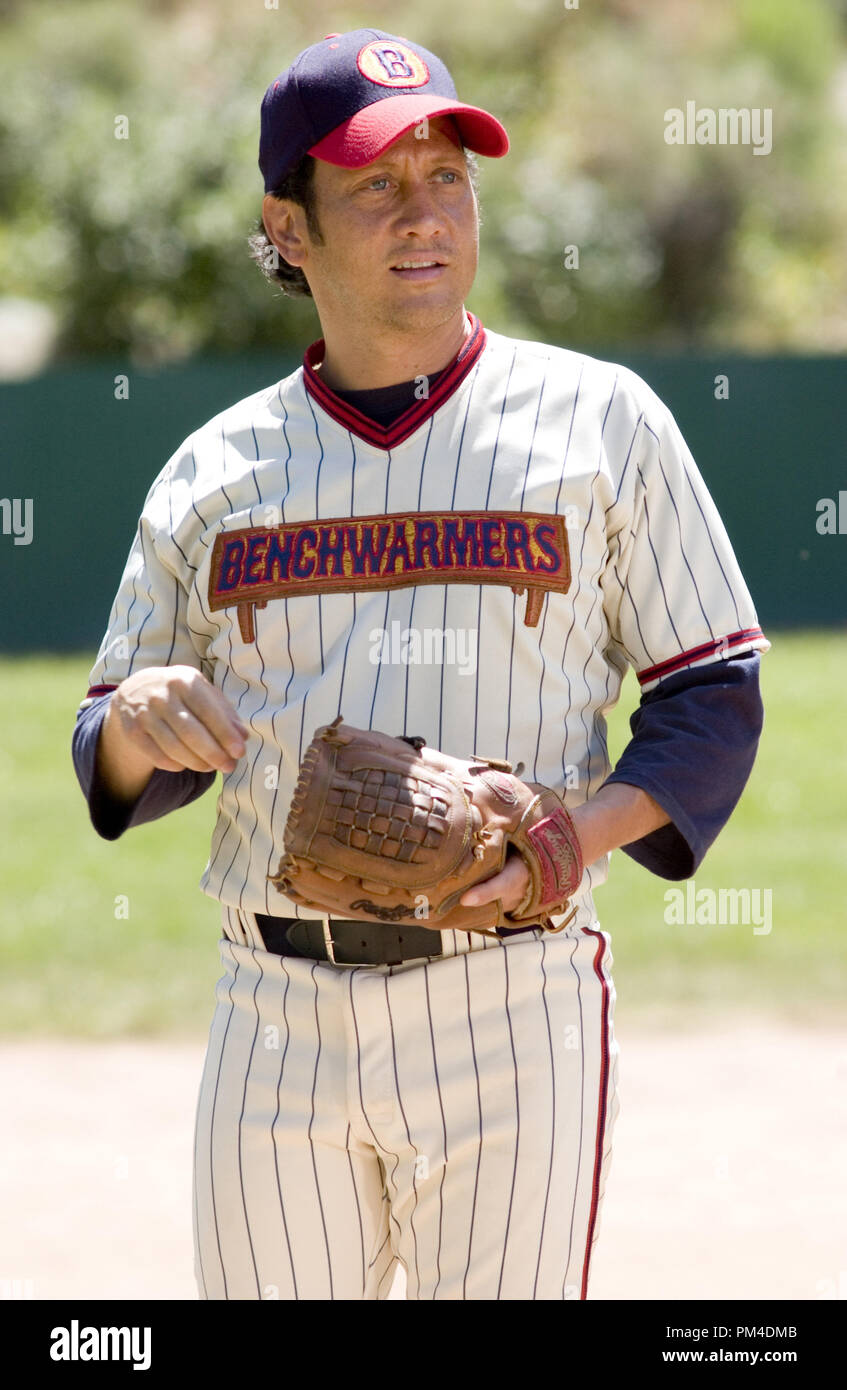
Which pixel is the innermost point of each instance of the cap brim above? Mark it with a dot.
(359, 140)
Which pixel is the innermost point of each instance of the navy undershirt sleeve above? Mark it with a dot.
(694, 741)
(165, 792)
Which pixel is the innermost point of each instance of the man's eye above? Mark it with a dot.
(450, 174)
(374, 182)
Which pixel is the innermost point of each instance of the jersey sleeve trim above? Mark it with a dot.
(405, 425)
(748, 639)
(94, 693)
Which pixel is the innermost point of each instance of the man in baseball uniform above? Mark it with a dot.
(435, 530)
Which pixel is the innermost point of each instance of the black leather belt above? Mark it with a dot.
(351, 943)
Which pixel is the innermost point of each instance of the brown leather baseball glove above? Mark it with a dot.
(384, 829)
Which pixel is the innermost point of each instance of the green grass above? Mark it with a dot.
(70, 966)
(788, 833)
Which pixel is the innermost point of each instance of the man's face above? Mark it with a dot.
(414, 203)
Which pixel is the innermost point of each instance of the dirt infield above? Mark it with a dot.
(726, 1180)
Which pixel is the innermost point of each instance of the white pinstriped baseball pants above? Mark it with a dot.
(455, 1115)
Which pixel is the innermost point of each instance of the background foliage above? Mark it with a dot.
(138, 245)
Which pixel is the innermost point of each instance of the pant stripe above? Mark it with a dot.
(389, 1270)
(575, 969)
(358, 1204)
(601, 1105)
(385, 1241)
(479, 1112)
(552, 1117)
(505, 957)
(212, 1129)
(362, 1107)
(408, 1133)
(197, 1242)
(311, 1123)
(259, 978)
(443, 1130)
(273, 1127)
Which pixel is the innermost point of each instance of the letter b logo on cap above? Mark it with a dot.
(392, 65)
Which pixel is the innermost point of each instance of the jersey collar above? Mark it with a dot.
(361, 425)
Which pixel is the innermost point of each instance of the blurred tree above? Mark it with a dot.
(129, 139)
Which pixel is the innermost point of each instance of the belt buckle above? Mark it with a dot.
(329, 944)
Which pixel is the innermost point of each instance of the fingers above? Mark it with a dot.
(145, 745)
(509, 886)
(178, 719)
(216, 715)
(183, 739)
(206, 740)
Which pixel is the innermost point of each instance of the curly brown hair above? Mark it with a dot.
(299, 187)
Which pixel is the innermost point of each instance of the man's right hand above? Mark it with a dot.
(170, 717)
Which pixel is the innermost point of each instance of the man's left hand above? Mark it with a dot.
(509, 885)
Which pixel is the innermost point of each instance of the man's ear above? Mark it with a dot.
(285, 224)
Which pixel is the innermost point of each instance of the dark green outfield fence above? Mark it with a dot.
(769, 453)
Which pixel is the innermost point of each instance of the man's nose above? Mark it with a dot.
(419, 210)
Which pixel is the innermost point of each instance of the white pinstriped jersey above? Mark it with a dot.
(648, 577)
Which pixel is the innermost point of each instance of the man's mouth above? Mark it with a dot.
(419, 268)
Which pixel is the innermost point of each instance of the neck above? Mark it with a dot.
(364, 363)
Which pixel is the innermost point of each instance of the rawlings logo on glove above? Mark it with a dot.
(387, 830)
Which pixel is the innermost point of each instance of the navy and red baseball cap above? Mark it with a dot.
(348, 97)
